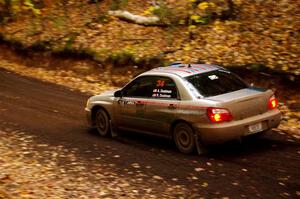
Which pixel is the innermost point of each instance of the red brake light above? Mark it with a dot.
(273, 103)
(218, 114)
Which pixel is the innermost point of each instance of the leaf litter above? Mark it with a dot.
(33, 170)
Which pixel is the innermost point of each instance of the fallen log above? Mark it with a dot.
(138, 19)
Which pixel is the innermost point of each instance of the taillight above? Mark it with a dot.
(218, 114)
(273, 103)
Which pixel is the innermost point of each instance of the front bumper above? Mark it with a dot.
(89, 116)
(220, 133)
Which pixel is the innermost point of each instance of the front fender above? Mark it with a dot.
(106, 105)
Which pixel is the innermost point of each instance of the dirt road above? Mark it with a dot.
(268, 167)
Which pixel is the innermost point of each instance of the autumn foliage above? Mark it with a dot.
(226, 32)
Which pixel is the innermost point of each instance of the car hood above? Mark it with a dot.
(104, 95)
(108, 93)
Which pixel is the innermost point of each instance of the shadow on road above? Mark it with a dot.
(248, 145)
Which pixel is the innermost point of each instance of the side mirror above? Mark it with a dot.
(118, 93)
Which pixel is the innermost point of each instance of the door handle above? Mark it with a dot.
(139, 103)
(172, 106)
(121, 101)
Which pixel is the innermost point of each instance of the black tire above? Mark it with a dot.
(184, 138)
(102, 123)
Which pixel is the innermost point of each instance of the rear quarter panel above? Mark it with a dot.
(194, 111)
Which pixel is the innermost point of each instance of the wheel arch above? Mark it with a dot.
(174, 123)
(94, 111)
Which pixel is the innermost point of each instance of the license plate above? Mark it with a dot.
(254, 128)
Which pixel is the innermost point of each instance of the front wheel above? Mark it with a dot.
(102, 123)
(184, 137)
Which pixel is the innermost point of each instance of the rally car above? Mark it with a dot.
(193, 104)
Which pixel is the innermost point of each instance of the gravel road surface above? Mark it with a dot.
(53, 116)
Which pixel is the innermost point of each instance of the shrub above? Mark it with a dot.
(118, 4)
(10, 8)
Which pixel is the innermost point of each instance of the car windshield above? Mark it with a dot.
(216, 82)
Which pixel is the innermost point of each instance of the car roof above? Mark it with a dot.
(184, 70)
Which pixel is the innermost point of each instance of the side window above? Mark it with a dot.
(164, 88)
(140, 87)
(151, 87)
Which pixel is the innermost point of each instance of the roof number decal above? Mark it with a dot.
(160, 83)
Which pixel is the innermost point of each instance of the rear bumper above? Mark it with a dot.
(219, 133)
(89, 116)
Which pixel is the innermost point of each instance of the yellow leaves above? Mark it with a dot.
(192, 27)
(203, 5)
(238, 2)
(30, 6)
(195, 17)
(212, 4)
(285, 68)
(17, 6)
(199, 169)
(156, 177)
(36, 11)
(204, 184)
(218, 26)
(231, 22)
(198, 19)
(25, 194)
(150, 10)
(136, 165)
(217, 22)
(181, 22)
(147, 12)
(187, 47)
(28, 3)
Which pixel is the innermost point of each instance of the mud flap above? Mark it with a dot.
(113, 131)
(201, 149)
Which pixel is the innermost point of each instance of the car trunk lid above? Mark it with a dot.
(245, 102)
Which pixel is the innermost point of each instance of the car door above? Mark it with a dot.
(161, 109)
(130, 107)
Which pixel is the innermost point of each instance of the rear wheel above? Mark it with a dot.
(102, 122)
(184, 137)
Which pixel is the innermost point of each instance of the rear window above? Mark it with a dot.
(216, 83)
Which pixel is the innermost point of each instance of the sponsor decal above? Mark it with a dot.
(165, 104)
(163, 93)
(213, 77)
(164, 96)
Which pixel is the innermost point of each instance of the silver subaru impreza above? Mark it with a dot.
(193, 104)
